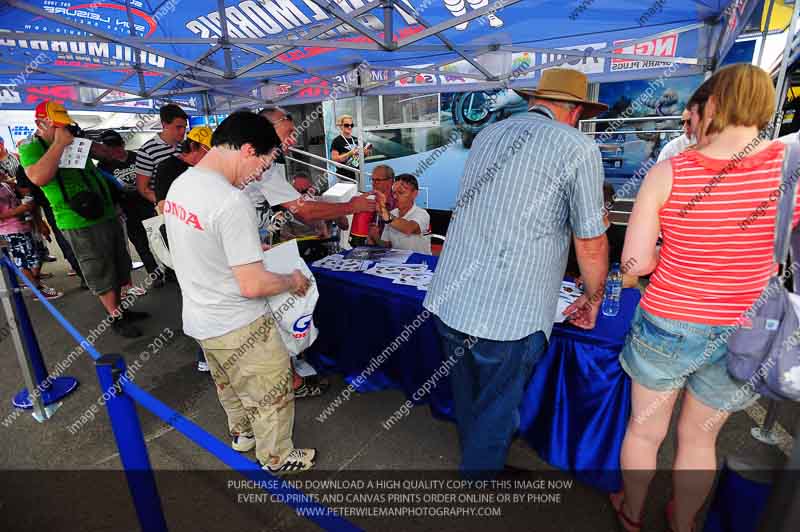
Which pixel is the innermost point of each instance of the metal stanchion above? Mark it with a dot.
(131, 444)
(765, 433)
(42, 392)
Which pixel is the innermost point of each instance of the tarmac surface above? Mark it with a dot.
(65, 474)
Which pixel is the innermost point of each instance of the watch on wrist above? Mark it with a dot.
(388, 220)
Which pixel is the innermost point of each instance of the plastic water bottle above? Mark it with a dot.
(613, 291)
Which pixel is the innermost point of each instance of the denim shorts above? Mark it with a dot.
(663, 354)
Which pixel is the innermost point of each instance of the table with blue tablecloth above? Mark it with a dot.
(576, 404)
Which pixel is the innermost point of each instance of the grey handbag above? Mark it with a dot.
(764, 350)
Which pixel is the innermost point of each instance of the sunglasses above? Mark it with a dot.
(347, 125)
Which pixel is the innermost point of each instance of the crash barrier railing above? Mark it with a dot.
(325, 170)
(121, 405)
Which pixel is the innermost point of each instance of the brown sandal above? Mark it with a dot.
(618, 503)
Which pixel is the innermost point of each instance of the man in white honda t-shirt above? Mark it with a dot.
(217, 257)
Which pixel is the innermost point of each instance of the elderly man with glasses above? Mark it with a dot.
(274, 193)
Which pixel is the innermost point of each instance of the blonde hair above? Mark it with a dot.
(743, 96)
(342, 119)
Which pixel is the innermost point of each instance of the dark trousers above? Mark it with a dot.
(488, 381)
(66, 249)
(137, 209)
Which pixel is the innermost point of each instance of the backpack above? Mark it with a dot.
(764, 349)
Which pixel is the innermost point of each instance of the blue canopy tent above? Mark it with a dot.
(216, 55)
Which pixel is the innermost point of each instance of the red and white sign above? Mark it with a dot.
(666, 46)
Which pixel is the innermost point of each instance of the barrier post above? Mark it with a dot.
(42, 393)
(131, 444)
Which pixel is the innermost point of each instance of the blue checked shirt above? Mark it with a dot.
(528, 184)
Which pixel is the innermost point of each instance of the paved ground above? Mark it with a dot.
(52, 477)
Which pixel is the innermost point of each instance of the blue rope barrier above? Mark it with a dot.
(89, 348)
(304, 505)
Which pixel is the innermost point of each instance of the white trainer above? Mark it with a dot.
(243, 442)
(297, 461)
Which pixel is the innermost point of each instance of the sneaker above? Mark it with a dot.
(48, 293)
(136, 291)
(49, 258)
(132, 315)
(311, 387)
(71, 273)
(298, 460)
(125, 328)
(202, 366)
(242, 442)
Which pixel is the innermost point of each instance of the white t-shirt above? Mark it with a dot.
(675, 147)
(400, 240)
(272, 190)
(211, 227)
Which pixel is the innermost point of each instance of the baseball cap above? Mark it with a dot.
(201, 135)
(54, 111)
(109, 137)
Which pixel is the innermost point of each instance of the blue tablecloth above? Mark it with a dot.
(576, 405)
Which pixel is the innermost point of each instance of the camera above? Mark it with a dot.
(75, 130)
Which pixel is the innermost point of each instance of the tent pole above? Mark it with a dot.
(206, 108)
(359, 118)
(782, 84)
(765, 32)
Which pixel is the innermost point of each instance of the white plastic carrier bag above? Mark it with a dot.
(293, 314)
(155, 237)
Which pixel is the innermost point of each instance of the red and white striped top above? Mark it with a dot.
(718, 231)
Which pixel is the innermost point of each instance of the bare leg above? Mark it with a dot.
(696, 459)
(110, 300)
(648, 425)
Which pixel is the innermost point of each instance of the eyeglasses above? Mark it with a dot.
(347, 125)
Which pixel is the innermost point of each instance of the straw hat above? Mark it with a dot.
(565, 85)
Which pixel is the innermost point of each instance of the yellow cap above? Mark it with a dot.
(201, 134)
(54, 111)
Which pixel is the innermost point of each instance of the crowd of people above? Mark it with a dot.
(225, 197)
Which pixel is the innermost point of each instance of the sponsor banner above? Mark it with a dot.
(665, 46)
(585, 64)
(9, 94)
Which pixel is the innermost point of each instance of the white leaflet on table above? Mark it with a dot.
(402, 267)
(414, 279)
(393, 256)
(331, 259)
(76, 154)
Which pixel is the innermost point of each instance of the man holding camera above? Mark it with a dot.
(83, 209)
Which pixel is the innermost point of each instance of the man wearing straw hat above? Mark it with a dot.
(542, 184)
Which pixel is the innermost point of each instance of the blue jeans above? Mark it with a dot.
(488, 382)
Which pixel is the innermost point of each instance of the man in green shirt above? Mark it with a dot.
(84, 212)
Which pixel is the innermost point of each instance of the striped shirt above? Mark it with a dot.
(716, 256)
(529, 183)
(150, 155)
(9, 165)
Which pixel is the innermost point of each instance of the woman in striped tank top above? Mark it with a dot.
(714, 208)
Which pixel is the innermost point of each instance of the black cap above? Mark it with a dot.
(111, 138)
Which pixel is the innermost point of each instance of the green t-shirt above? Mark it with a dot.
(31, 150)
